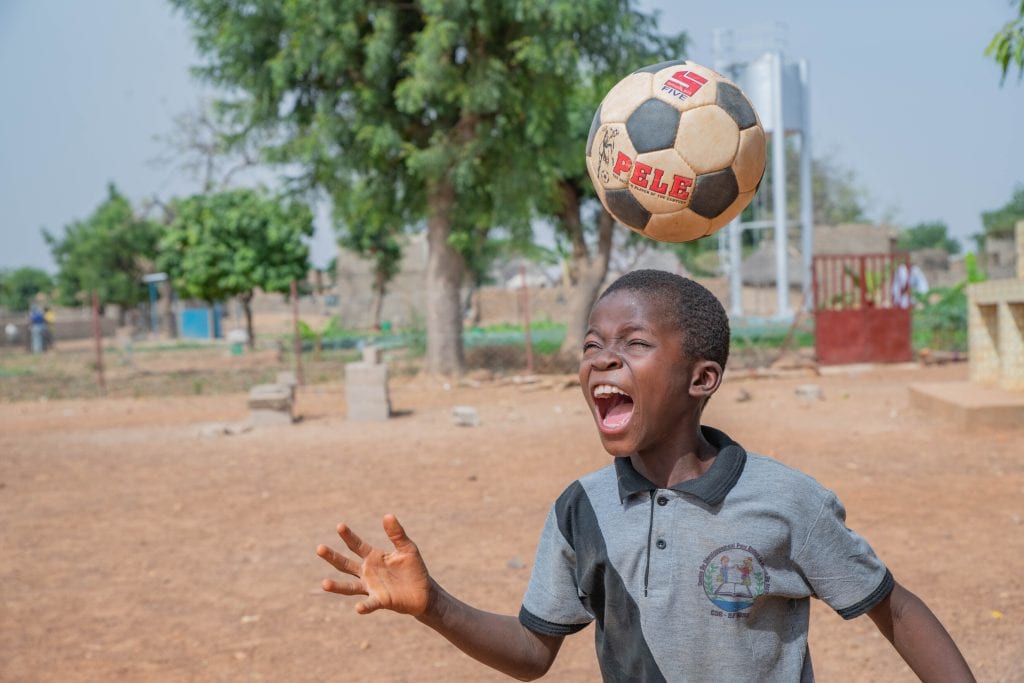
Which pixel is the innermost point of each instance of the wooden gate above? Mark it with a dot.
(857, 311)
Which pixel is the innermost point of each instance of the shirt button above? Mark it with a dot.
(662, 500)
(661, 544)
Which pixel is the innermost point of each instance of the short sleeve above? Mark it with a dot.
(840, 566)
(552, 604)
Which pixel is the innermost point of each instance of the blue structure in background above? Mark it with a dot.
(195, 323)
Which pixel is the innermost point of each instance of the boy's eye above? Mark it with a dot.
(638, 343)
(590, 345)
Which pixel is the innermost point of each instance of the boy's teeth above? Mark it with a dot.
(606, 389)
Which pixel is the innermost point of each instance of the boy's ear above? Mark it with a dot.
(706, 378)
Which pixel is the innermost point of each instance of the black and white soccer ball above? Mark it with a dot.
(676, 151)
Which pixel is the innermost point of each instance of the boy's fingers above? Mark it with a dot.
(343, 587)
(339, 561)
(354, 543)
(394, 530)
(367, 606)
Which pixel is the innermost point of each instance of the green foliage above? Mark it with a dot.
(230, 243)
(934, 234)
(940, 320)
(974, 272)
(452, 113)
(19, 287)
(1007, 46)
(1000, 222)
(107, 253)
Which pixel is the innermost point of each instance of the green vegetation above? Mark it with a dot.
(107, 253)
(20, 286)
(1000, 222)
(452, 116)
(1007, 46)
(934, 234)
(230, 243)
(940, 321)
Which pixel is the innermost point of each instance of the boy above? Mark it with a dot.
(695, 558)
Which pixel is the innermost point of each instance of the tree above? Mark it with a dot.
(439, 106)
(108, 253)
(628, 42)
(1000, 222)
(19, 287)
(933, 234)
(1007, 46)
(208, 146)
(231, 243)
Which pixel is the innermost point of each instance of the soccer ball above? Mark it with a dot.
(675, 151)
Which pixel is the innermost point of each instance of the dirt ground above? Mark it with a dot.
(137, 543)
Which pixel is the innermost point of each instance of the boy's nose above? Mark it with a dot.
(607, 360)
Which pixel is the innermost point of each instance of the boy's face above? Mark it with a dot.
(636, 375)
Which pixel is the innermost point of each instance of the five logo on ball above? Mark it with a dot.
(684, 84)
(675, 151)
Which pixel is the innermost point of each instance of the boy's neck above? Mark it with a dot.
(677, 461)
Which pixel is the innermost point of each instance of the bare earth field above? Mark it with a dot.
(136, 544)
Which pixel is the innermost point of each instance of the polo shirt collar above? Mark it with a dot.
(711, 487)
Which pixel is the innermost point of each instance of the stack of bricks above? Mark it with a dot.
(995, 321)
(271, 404)
(366, 388)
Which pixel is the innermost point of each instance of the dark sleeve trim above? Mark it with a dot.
(538, 625)
(870, 602)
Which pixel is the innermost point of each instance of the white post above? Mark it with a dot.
(806, 198)
(735, 268)
(779, 190)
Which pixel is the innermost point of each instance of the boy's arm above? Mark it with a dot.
(399, 581)
(919, 637)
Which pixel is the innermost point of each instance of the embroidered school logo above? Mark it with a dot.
(733, 577)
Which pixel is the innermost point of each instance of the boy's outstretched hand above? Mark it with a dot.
(397, 580)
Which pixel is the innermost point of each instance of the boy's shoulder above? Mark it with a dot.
(764, 476)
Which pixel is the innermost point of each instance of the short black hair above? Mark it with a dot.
(697, 313)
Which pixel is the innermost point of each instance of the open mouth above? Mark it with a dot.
(614, 406)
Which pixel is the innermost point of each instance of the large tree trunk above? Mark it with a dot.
(587, 271)
(445, 267)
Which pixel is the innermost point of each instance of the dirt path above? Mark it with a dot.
(136, 546)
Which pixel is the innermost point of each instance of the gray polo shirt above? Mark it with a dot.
(707, 580)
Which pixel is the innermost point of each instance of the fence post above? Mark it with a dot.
(298, 338)
(526, 320)
(97, 333)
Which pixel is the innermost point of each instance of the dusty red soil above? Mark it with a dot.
(135, 545)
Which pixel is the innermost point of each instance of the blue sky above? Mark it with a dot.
(901, 94)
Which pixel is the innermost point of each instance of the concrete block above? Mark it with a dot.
(371, 354)
(270, 404)
(287, 379)
(267, 418)
(366, 392)
(969, 405)
(465, 416)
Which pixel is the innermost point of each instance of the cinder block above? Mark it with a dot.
(371, 354)
(287, 379)
(265, 418)
(270, 404)
(366, 392)
(270, 397)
